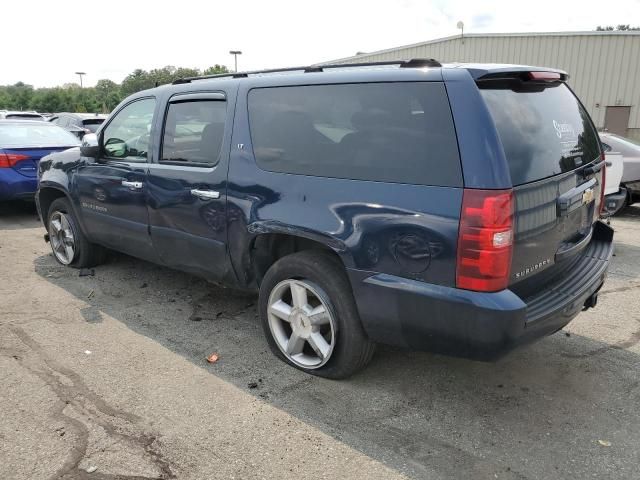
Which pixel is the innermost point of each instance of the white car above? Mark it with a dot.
(15, 115)
(630, 151)
(615, 195)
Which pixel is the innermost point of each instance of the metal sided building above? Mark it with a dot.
(603, 67)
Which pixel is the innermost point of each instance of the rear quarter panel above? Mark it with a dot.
(400, 229)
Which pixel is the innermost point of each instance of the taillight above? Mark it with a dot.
(602, 183)
(485, 240)
(545, 76)
(8, 160)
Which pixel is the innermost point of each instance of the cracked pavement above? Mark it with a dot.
(109, 371)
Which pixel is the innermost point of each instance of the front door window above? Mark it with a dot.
(128, 135)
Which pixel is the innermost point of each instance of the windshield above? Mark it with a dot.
(544, 131)
(35, 135)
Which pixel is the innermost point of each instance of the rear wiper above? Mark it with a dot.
(586, 171)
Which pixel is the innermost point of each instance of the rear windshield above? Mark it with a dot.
(25, 116)
(92, 124)
(35, 135)
(543, 132)
(388, 132)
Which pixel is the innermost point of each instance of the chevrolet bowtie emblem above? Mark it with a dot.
(587, 196)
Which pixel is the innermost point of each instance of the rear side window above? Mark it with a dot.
(194, 131)
(544, 131)
(388, 132)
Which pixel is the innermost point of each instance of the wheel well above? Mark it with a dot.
(268, 248)
(46, 198)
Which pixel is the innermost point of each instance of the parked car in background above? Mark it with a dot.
(17, 115)
(22, 144)
(452, 208)
(78, 123)
(615, 194)
(630, 151)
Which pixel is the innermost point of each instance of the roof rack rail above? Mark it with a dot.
(413, 63)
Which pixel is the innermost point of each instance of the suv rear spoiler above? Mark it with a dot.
(530, 76)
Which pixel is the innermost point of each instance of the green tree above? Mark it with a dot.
(216, 69)
(141, 80)
(622, 28)
(102, 98)
(107, 94)
(136, 81)
(19, 96)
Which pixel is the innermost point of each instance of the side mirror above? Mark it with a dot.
(116, 148)
(90, 146)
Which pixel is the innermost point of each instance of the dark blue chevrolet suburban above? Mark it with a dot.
(452, 208)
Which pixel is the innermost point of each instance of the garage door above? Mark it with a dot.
(616, 120)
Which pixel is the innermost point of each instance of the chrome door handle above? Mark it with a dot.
(136, 185)
(205, 194)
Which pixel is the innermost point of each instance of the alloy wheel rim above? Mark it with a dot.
(302, 323)
(62, 238)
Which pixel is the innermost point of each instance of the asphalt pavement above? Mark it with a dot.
(108, 374)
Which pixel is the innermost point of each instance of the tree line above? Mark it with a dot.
(102, 98)
(621, 28)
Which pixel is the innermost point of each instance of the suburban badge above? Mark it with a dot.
(532, 268)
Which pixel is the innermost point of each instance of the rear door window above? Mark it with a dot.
(193, 132)
(391, 132)
(544, 130)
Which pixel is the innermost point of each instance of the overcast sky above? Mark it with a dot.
(45, 41)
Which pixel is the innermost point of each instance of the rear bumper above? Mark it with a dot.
(615, 201)
(15, 186)
(423, 316)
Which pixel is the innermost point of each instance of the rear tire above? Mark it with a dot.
(310, 318)
(69, 245)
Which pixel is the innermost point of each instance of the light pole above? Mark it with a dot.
(235, 54)
(80, 74)
(460, 26)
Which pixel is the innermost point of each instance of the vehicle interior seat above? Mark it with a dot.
(211, 141)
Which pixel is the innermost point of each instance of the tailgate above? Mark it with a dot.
(554, 158)
(553, 221)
